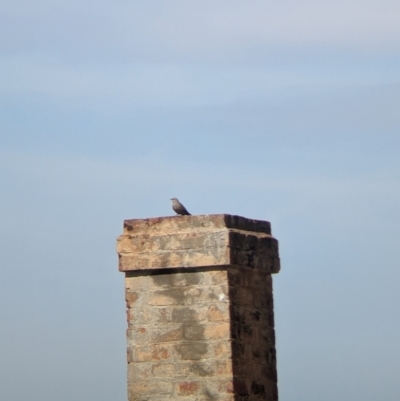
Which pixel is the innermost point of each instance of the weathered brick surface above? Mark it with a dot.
(195, 241)
(196, 331)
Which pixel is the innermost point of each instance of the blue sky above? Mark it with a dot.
(282, 111)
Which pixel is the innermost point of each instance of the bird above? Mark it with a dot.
(179, 208)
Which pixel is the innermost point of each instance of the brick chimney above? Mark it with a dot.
(200, 308)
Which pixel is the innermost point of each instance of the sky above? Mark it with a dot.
(282, 111)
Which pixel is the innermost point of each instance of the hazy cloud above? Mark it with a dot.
(197, 30)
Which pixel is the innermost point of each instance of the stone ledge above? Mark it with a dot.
(197, 241)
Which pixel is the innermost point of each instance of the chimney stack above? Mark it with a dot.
(199, 308)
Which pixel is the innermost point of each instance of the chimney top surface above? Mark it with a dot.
(197, 222)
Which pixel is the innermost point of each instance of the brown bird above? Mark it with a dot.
(178, 207)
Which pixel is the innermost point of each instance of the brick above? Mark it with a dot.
(137, 282)
(140, 316)
(185, 279)
(131, 298)
(150, 387)
(167, 297)
(149, 370)
(186, 388)
(218, 312)
(242, 296)
(175, 332)
(146, 353)
(222, 349)
(188, 314)
(216, 293)
(192, 350)
(151, 397)
(168, 333)
(219, 277)
(208, 368)
(162, 370)
(258, 280)
(240, 386)
(225, 386)
(193, 332)
(138, 335)
(220, 330)
(139, 371)
(217, 243)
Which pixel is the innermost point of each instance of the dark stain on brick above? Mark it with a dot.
(171, 335)
(248, 329)
(257, 389)
(239, 324)
(175, 293)
(200, 369)
(176, 279)
(127, 226)
(185, 279)
(180, 315)
(192, 350)
(162, 279)
(193, 332)
(257, 354)
(237, 349)
(256, 314)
